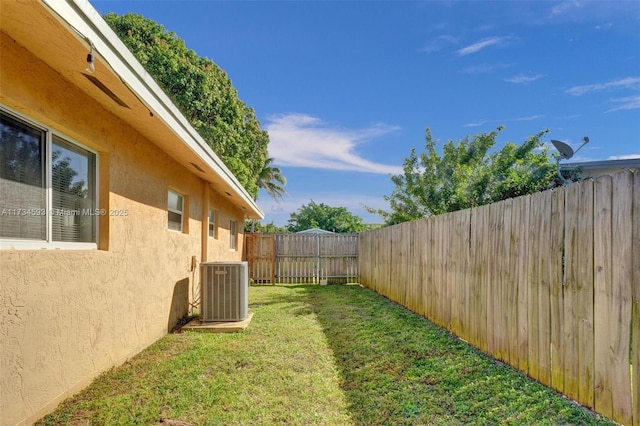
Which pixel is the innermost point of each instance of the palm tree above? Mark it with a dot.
(272, 180)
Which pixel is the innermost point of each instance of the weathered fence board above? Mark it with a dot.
(509, 267)
(494, 298)
(260, 256)
(427, 282)
(544, 274)
(549, 283)
(584, 295)
(603, 295)
(522, 260)
(621, 274)
(535, 222)
(557, 301)
(635, 324)
(485, 251)
(570, 293)
(302, 258)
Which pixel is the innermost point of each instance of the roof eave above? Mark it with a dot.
(80, 15)
(630, 163)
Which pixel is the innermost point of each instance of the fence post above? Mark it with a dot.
(318, 277)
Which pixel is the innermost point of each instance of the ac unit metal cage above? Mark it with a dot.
(224, 291)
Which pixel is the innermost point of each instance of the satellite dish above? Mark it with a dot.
(565, 150)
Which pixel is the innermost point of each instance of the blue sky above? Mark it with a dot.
(346, 89)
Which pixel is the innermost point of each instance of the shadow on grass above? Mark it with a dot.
(398, 368)
(337, 355)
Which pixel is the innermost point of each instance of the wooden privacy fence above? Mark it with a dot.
(548, 283)
(302, 258)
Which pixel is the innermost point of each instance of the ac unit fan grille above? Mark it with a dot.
(224, 291)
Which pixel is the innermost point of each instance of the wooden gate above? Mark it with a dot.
(302, 258)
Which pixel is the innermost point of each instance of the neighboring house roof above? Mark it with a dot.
(120, 84)
(315, 231)
(604, 167)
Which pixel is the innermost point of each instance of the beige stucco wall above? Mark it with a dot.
(219, 246)
(68, 315)
(595, 173)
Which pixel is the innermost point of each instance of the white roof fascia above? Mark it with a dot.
(86, 20)
(604, 164)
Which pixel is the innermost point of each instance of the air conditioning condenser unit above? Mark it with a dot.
(224, 291)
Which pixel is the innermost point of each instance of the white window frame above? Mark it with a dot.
(176, 211)
(48, 243)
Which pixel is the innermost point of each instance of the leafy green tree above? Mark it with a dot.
(20, 154)
(268, 228)
(63, 176)
(467, 175)
(336, 219)
(272, 180)
(202, 91)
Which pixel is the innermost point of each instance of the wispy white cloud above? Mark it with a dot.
(629, 102)
(438, 43)
(478, 46)
(475, 124)
(619, 16)
(629, 83)
(483, 122)
(280, 212)
(528, 118)
(301, 140)
(565, 8)
(624, 157)
(569, 117)
(523, 79)
(604, 26)
(623, 103)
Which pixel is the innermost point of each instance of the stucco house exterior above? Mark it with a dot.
(109, 200)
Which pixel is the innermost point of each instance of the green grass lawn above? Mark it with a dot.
(336, 355)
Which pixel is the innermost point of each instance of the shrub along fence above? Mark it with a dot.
(548, 283)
